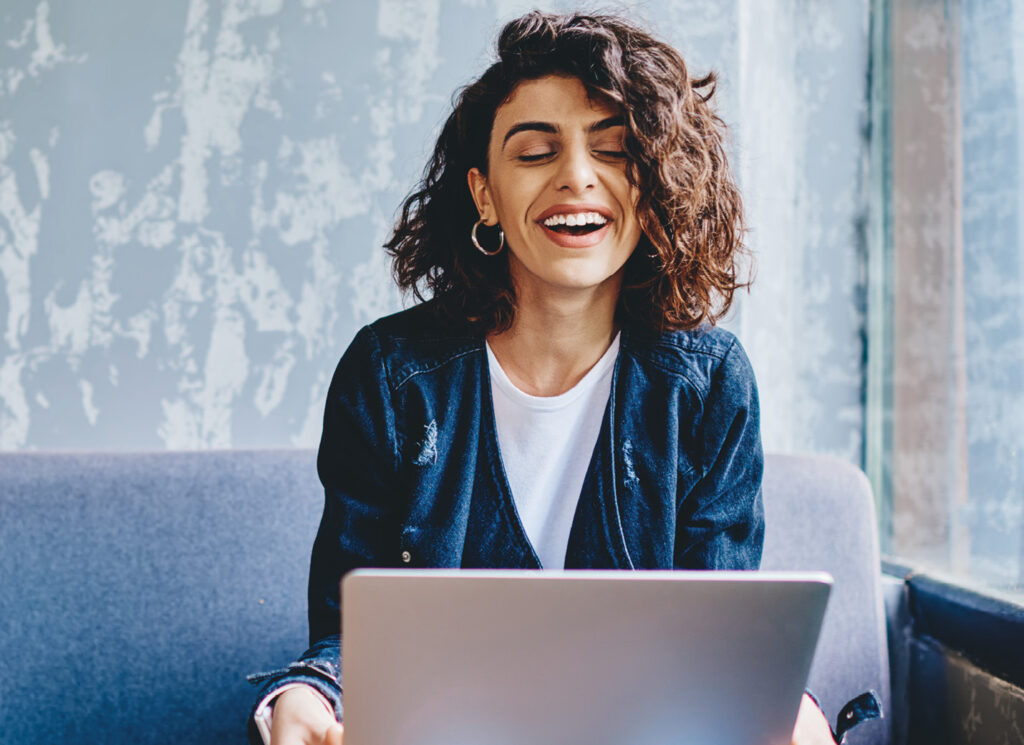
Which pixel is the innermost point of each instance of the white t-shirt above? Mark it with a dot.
(546, 443)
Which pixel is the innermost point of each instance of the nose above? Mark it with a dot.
(576, 170)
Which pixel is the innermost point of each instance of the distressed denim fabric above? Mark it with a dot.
(413, 477)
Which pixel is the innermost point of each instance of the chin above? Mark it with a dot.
(571, 273)
(579, 280)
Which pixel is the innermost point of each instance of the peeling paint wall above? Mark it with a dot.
(193, 197)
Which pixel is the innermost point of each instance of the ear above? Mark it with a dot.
(482, 196)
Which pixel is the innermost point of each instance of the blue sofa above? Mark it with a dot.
(138, 590)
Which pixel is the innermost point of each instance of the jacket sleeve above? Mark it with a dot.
(357, 464)
(720, 521)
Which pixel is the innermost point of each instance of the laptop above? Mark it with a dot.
(509, 657)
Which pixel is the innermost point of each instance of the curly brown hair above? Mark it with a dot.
(686, 267)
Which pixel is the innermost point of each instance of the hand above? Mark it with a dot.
(811, 726)
(301, 718)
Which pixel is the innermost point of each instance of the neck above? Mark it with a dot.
(556, 338)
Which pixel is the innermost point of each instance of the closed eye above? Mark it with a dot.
(534, 158)
(541, 156)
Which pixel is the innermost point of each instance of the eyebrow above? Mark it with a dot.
(607, 123)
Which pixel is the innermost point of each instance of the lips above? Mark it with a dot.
(572, 239)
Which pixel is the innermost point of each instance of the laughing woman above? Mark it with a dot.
(563, 399)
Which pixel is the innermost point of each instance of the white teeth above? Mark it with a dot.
(576, 218)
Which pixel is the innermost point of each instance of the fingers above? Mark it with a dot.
(811, 726)
(331, 736)
(302, 717)
(334, 735)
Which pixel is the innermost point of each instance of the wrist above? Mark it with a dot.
(305, 688)
(264, 714)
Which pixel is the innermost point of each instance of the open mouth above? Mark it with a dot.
(576, 224)
(575, 229)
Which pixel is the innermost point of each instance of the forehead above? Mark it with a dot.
(554, 99)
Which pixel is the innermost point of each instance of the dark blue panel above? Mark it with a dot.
(928, 685)
(986, 630)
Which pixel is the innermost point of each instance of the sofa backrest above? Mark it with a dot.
(820, 515)
(138, 590)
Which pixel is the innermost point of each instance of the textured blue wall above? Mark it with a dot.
(193, 197)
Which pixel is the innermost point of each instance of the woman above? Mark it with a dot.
(579, 233)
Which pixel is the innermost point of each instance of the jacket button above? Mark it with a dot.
(406, 557)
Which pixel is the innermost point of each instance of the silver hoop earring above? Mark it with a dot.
(481, 249)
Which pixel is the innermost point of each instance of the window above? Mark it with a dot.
(945, 441)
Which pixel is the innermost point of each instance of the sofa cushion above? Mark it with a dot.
(138, 590)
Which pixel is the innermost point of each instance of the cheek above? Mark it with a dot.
(634, 198)
(632, 218)
(510, 197)
(627, 195)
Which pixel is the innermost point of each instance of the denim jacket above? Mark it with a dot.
(413, 477)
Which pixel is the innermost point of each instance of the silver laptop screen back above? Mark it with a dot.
(576, 658)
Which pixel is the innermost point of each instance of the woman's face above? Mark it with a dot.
(557, 184)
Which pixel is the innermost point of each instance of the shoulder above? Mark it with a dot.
(707, 356)
(418, 340)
